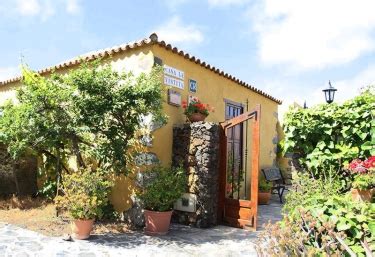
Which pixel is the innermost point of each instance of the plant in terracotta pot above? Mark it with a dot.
(196, 110)
(264, 188)
(363, 185)
(84, 196)
(158, 197)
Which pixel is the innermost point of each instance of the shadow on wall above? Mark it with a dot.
(17, 177)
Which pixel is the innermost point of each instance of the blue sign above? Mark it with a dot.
(193, 86)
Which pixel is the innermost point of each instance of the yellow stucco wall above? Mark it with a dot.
(212, 89)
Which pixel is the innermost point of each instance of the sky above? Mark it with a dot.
(289, 49)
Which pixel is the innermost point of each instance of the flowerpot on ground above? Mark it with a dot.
(159, 195)
(157, 223)
(363, 186)
(195, 117)
(264, 198)
(264, 194)
(81, 229)
(362, 195)
(85, 195)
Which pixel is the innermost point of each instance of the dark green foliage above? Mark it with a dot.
(92, 113)
(109, 213)
(320, 217)
(330, 135)
(167, 187)
(319, 221)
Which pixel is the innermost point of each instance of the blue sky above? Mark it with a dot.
(288, 48)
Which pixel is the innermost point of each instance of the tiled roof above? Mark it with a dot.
(151, 40)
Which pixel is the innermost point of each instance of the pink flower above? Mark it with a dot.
(354, 164)
(362, 167)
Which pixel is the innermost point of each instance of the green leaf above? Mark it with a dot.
(328, 131)
(361, 218)
(357, 249)
(371, 226)
(321, 145)
(343, 226)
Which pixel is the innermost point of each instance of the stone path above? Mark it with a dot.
(181, 241)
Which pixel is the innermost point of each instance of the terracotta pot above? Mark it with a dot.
(157, 223)
(362, 195)
(196, 117)
(82, 228)
(264, 198)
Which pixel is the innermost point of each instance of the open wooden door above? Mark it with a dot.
(238, 207)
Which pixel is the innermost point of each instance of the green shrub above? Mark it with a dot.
(264, 186)
(328, 136)
(167, 187)
(85, 194)
(364, 181)
(304, 187)
(319, 221)
(93, 113)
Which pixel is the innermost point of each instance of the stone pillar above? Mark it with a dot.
(196, 147)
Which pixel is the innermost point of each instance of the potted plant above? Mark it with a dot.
(264, 194)
(84, 195)
(364, 179)
(158, 197)
(196, 110)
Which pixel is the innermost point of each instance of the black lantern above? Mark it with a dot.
(329, 93)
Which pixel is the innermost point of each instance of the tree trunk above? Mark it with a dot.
(77, 152)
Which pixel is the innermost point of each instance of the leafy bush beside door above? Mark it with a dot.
(320, 216)
(328, 136)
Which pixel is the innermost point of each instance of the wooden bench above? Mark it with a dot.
(274, 176)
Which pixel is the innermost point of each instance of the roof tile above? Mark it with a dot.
(152, 39)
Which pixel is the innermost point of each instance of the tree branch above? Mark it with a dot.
(54, 157)
(351, 253)
(366, 247)
(77, 151)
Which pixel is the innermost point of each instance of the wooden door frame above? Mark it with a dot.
(253, 114)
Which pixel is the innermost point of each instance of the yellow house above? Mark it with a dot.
(185, 76)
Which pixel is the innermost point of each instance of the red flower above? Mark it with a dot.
(369, 163)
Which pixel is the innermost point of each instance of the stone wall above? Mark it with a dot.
(17, 177)
(289, 163)
(196, 147)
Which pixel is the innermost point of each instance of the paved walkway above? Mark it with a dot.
(181, 241)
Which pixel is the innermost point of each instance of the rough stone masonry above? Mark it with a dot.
(196, 147)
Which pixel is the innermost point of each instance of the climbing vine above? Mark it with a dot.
(328, 136)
